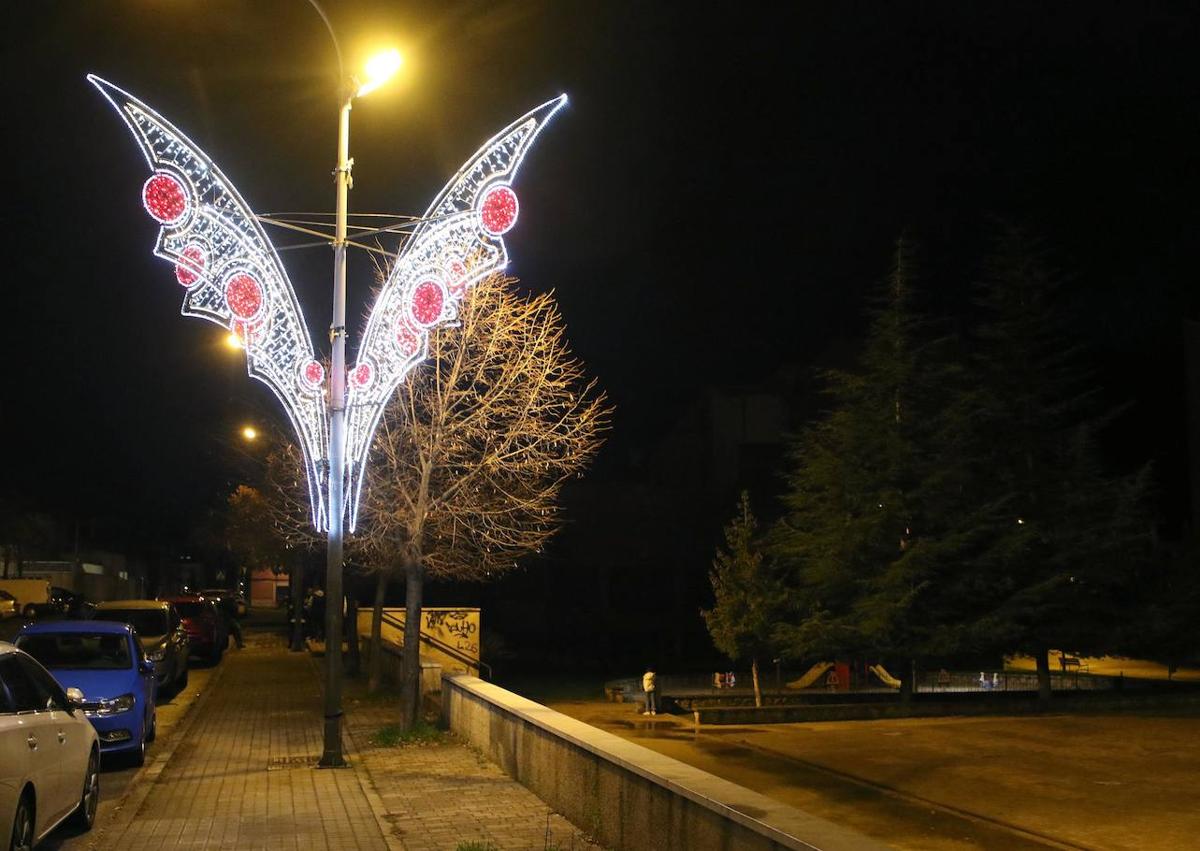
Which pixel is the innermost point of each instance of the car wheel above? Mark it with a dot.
(85, 814)
(138, 757)
(22, 832)
(153, 734)
(29, 612)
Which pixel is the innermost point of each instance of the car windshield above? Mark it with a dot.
(193, 610)
(78, 650)
(145, 621)
(4, 595)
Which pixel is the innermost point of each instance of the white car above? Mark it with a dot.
(49, 754)
(8, 605)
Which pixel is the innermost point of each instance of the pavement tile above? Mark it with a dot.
(217, 791)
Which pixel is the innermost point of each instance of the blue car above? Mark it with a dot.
(106, 662)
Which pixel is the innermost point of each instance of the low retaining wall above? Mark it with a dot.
(625, 795)
(1010, 703)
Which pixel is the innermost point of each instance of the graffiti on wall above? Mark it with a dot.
(449, 636)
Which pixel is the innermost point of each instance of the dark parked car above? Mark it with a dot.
(232, 603)
(106, 663)
(162, 634)
(205, 627)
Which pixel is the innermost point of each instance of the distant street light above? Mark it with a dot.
(250, 433)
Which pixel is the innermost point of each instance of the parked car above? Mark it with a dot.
(231, 603)
(63, 603)
(8, 605)
(161, 631)
(49, 753)
(29, 593)
(205, 627)
(106, 663)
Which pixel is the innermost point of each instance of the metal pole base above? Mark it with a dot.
(332, 758)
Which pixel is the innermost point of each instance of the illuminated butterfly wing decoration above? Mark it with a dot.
(231, 273)
(458, 242)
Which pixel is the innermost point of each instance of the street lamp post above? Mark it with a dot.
(331, 757)
(378, 70)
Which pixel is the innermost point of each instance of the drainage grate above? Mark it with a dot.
(282, 763)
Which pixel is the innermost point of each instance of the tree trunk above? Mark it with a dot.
(375, 662)
(908, 682)
(410, 688)
(350, 627)
(298, 602)
(754, 677)
(1043, 675)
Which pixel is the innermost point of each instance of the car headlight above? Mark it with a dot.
(158, 654)
(114, 705)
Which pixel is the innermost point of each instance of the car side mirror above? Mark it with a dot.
(74, 697)
(146, 667)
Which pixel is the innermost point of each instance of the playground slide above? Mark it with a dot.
(814, 674)
(884, 677)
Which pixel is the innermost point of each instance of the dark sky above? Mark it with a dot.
(722, 191)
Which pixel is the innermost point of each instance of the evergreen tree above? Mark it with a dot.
(876, 524)
(747, 598)
(1057, 569)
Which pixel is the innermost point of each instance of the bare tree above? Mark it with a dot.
(472, 452)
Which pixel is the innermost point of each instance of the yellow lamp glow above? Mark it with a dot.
(379, 69)
(250, 433)
(233, 341)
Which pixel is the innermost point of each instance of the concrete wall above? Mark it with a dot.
(392, 667)
(625, 795)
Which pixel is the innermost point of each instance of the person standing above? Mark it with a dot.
(650, 687)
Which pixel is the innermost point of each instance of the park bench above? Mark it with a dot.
(1072, 662)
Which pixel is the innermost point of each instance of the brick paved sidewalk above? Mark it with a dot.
(440, 795)
(243, 776)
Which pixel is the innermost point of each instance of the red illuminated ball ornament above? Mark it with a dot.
(164, 198)
(427, 300)
(498, 210)
(408, 340)
(244, 295)
(188, 271)
(362, 374)
(313, 373)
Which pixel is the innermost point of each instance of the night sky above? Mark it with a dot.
(722, 192)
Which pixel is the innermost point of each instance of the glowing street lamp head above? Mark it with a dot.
(234, 341)
(378, 70)
(250, 433)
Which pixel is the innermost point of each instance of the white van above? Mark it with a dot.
(30, 593)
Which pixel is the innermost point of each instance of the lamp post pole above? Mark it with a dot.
(331, 756)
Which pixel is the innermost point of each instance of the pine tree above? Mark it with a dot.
(747, 598)
(1057, 567)
(875, 523)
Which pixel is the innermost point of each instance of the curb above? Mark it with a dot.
(143, 781)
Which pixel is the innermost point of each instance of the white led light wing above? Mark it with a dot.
(231, 273)
(459, 241)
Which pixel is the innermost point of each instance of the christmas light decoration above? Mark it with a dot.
(457, 243)
(234, 277)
